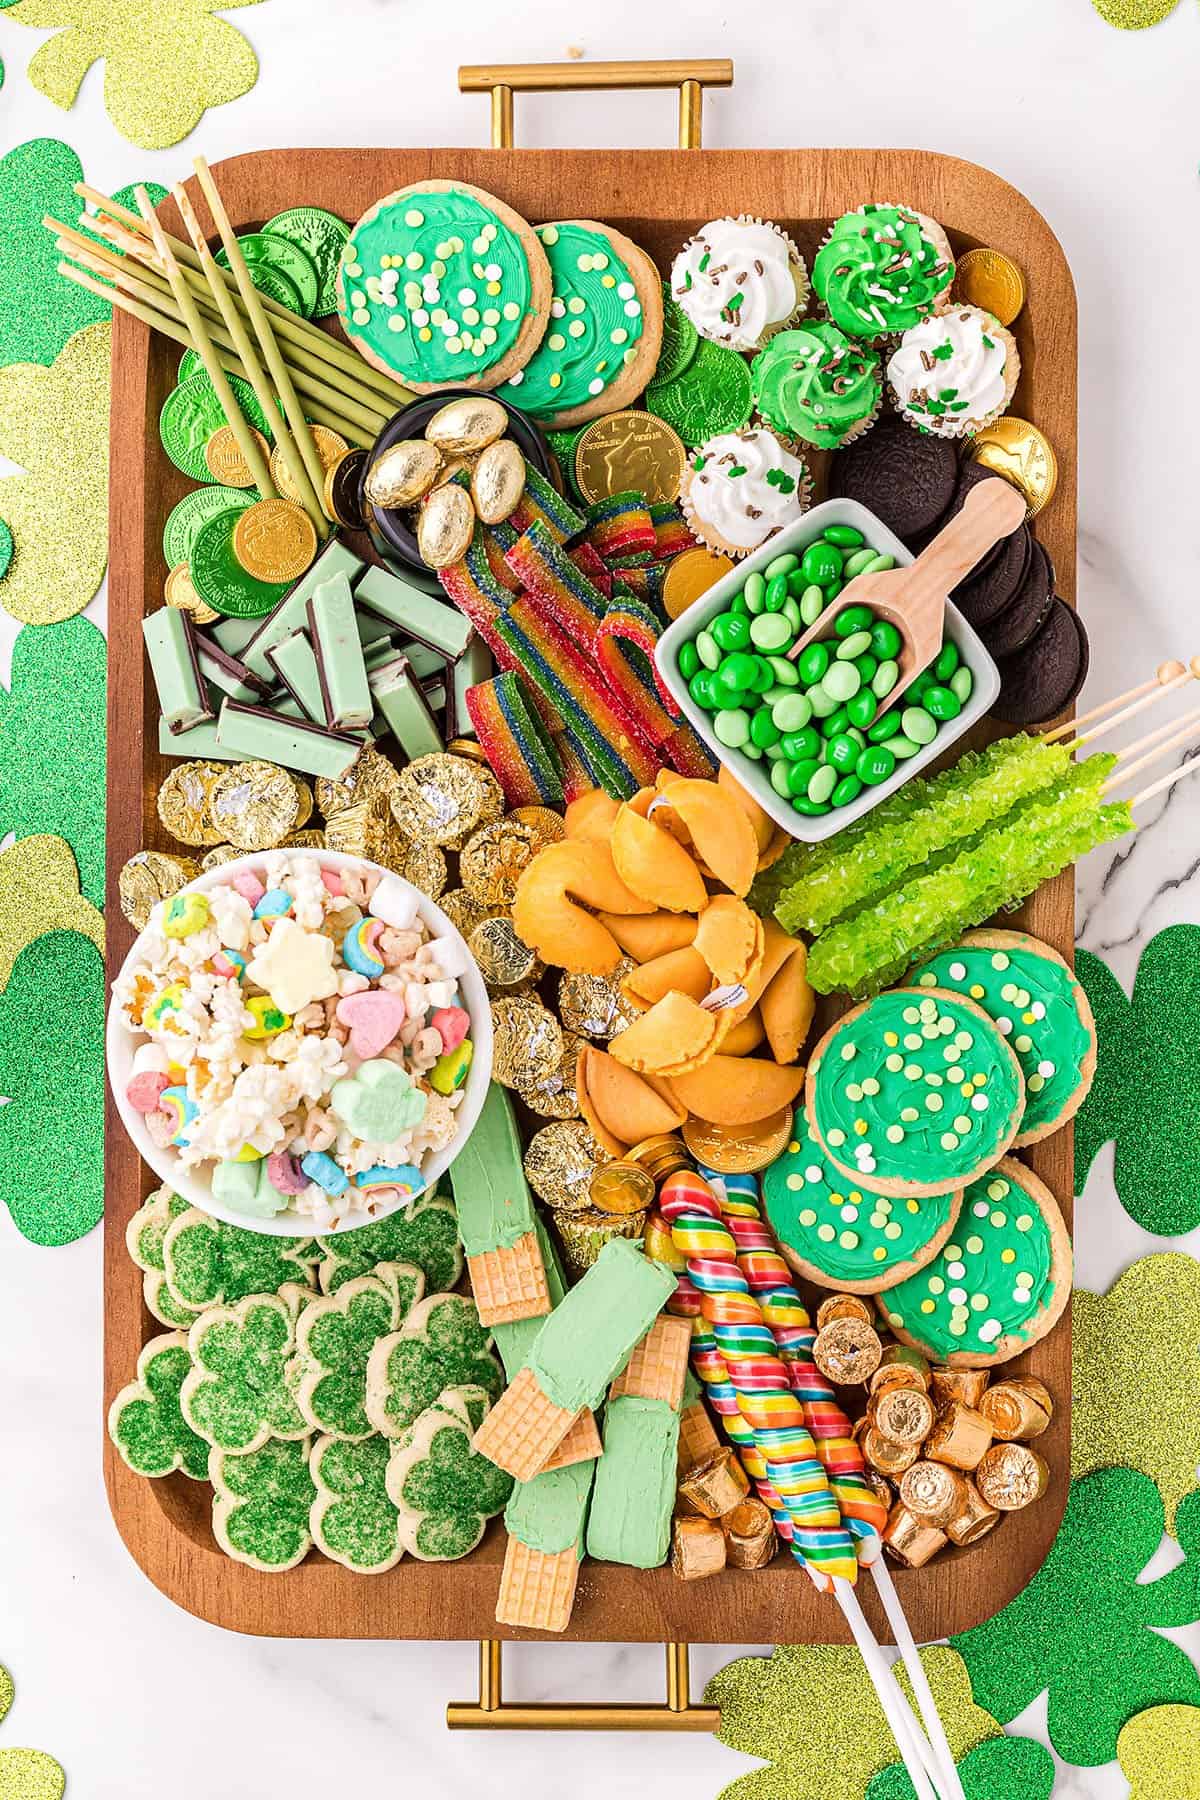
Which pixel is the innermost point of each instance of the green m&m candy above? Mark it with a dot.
(942, 702)
(875, 764)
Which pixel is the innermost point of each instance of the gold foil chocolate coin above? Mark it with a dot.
(330, 450)
(181, 594)
(989, 279)
(505, 961)
(622, 1188)
(275, 540)
(343, 489)
(223, 455)
(739, 1149)
(630, 450)
(1022, 454)
(689, 575)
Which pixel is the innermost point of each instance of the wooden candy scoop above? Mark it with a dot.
(914, 599)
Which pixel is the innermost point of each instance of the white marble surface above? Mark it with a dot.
(1097, 127)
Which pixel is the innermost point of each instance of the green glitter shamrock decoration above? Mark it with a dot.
(165, 61)
(441, 1344)
(425, 1233)
(261, 1504)
(335, 1337)
(811, 1712)
(145, 1421)
(145, 1235)
(353, 1519)
(1129, 1407)
(209, 1263)
(1160, 1753)
(443, 1491)
(26, 1774)
(1083, 1626)
(1003, 1768)
(52, 742)
(237, 1394)
(52, 1076)
(1146, 1093)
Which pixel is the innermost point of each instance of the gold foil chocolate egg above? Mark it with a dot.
(403, 473)
(470, 423)
(445, 526)
(498, 481)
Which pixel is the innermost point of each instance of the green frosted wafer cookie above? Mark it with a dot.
(353, 1519)
(145, 1236)
(441, 1344)
(680, 339)
(713, 394)
(335, 1337)
(445, 1492)
(425, 1233)
(279, 267)
(238, 1393)
(322, 236)
(146, 1422)
(261, 1504)
(209, 1263)
(191, 413)
(194, 511)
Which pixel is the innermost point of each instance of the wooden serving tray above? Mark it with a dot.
(658, 198)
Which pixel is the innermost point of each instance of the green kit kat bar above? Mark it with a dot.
(257, 732)
(292, 612)
(335, 644)
(419, 616)
(295, 664)
(401, 702)
(175, 665)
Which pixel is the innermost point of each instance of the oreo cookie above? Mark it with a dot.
(1027, 610)
(1042, 679)
(906, 479)
(983, 595)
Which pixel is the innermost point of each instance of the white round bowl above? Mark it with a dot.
(195, 1184)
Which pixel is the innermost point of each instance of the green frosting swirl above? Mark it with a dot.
(988, 1282)
(435, 285)
(915, 1089)
(595, 324)
(845, 1231)
(879, 272)
(1034, 1001)
(813, 383)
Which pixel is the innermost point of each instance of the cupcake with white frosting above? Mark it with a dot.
(741, 488)
(954, 373)
(739, 281)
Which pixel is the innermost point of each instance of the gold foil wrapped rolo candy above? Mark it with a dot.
(716, 1485)
(847, 1351)
(185, 802)
(255, 805)
(559, 1162)
(842, 1306)
(750, 1539)
(933, 1492)
(583, 1235)
(1018, 1408)
(910, 1540)
(147, 878)
(965, 1385)
(902, 1415)
(888, 1458)
(469, 423)
(975, 1518)
(1010, 1476)
(901, 1366)
(960, 1436)
(697, 1548)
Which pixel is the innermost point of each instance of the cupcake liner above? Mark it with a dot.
(968, 424)
(937, 237)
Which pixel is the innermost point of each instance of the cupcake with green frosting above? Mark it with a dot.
(883, 269)
(814, 384)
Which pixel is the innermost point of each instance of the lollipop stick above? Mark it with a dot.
(1166, 781)
(1154, 737)
(909, 1740)
(1186, 730)
(1111, 713)
(948, 1774)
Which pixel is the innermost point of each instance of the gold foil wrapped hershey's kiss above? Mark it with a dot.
(498, 481)
(470, 423)
(402, 474)
(445, 526)
(147, 878)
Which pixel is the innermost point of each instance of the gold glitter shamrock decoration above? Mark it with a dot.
(165, 61)
(810, 1711)
(54, 424)
(1134, 15)
(1159, 1751)
(26, 1774)
(1133, 1408)
(39, 892)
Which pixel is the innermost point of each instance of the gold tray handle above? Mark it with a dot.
(503, 80)
(491, 1713)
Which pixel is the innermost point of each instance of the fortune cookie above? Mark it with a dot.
(546, 914)
(591, 816)
(672, 1038)
(620, 1106)
(717, 827)
(654, 865)
(731, 1090)
(652, 934)
(730, 939)
(682, 971)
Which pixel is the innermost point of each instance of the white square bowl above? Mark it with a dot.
(753, 775)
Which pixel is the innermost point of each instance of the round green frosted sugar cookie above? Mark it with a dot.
(998, 1285)
(443, 284)
(840, 1235)
(916, 1092)
(1036, 1002)
(713, 394)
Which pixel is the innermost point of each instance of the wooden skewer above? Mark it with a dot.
(170, 327)
(298, 331)
(247, 443)
(1166, 781)
(1182, 736)
(1167, 677)
(1155, 737)
(312, 486)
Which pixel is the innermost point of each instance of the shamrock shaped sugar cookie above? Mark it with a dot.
(144, 1238)
(425, 1233)
(146, 1422)
(378, 1102)
(261, 1504)
(441, 1344)
(1003, 1768)
(1159, 1751)
(209, 1263)
(445, 1492)
(237, 1394)
(1083, 1626)
(334, 1339)
(1146, 1094)
(353, 1518)
(166, 61)
(26, 1774)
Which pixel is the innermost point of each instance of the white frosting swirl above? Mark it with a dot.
(735, 281)
(949, 372)
(732, 494)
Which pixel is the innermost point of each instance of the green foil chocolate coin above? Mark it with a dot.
(282, 259)
(193, 512)
(322, 236)
(679, 339)
(191, 413)
(219, 577)
(711, 396)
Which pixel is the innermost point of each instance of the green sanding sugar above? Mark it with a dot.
(713, 394)
(1002, 1768)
